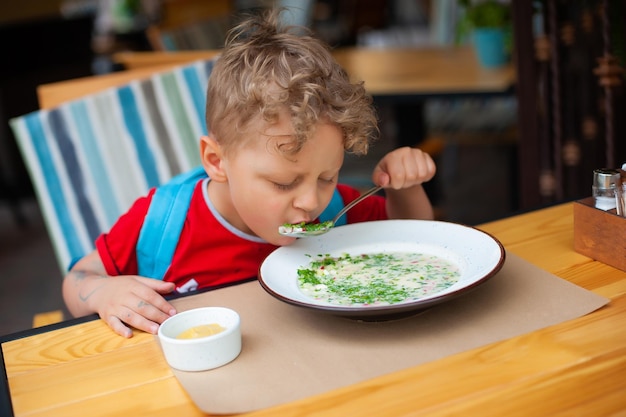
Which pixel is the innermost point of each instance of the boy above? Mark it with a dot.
(281, 115)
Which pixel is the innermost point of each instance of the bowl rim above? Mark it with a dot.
(229, 330)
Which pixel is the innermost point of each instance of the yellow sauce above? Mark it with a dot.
(203, 330)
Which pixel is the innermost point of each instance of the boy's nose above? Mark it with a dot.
(308, 200)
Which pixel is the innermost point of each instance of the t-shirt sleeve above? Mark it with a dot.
(372, 208)
(117, 248)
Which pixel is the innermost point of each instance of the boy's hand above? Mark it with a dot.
(131, 300)
(120, 301)
(404, 168)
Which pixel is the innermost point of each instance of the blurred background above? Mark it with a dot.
(533, 145)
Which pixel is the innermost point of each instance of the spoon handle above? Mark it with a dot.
(356, 201)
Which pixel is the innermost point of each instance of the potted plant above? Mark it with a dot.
(488, 22)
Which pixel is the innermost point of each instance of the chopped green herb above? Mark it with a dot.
(379, 278)
(305, 227)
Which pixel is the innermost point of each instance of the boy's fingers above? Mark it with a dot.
(152, 296)
(118, 327)
(127, 317)
(155, 312)
(156, 284)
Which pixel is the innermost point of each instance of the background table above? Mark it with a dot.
(388, 72)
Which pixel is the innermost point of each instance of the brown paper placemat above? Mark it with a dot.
(290, 352)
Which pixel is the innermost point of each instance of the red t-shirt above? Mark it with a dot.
(210, 251)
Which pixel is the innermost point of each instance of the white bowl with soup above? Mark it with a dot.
(201, 339)
(382, 270)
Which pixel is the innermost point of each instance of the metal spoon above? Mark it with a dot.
(314, 229)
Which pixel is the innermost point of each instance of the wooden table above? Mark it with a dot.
(574, 368)
(416, 73)
(396, 74)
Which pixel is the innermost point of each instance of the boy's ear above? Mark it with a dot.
(211, 154)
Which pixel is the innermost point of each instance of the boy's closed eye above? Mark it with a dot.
(285, 184)
(284, 187)
(293, 184)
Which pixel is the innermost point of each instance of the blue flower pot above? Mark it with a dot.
(490, 47)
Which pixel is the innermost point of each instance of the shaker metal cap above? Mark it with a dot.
(606, 178)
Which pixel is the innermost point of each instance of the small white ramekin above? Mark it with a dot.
(202, 353)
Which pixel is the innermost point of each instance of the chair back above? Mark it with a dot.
(90, 158)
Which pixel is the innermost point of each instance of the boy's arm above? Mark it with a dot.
(121, 301)
(409, 203)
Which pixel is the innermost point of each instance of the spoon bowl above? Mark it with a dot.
(315, 229)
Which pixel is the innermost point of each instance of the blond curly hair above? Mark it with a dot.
(267, 69)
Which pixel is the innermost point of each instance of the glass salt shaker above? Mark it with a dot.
(621, 192)
(605, 183)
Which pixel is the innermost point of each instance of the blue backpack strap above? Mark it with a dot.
(334, 207)
(164, 222)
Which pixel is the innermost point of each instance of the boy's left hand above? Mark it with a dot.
(403, 168)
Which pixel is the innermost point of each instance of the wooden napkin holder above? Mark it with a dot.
(599, 234)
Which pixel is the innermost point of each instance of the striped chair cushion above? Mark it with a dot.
(89, 159)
